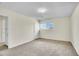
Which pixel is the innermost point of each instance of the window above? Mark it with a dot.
(46, 25)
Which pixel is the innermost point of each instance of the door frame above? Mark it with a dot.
(4, 30)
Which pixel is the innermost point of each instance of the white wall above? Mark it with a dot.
(75, 29)
(60, 32)
(20, 27)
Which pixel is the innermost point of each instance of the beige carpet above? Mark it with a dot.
(41, 47)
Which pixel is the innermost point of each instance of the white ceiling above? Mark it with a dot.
(55, 9)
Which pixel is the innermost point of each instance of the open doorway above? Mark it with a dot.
(3, 30)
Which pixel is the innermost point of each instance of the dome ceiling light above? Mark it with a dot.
(41, 10)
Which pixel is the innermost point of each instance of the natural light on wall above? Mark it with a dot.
(36, 31)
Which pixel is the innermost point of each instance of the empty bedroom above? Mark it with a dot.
(39, 28)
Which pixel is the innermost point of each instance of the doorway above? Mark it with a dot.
(3, 30)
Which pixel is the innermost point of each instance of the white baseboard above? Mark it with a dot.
(57, 39)
(12, 46)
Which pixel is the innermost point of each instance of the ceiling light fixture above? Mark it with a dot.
(41, 10)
